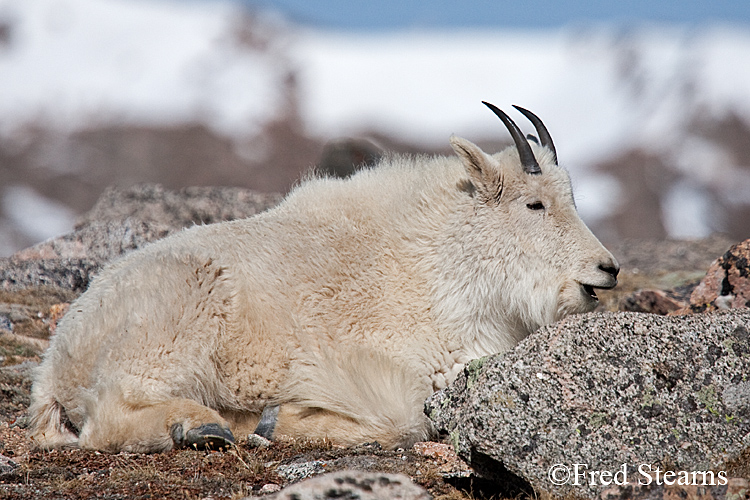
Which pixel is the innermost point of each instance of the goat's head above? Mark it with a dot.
(528, 226)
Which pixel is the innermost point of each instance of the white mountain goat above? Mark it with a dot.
(334, 314)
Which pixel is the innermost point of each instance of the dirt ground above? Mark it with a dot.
(190, 474)
(30, 473)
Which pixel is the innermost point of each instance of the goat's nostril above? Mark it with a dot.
(613, 270)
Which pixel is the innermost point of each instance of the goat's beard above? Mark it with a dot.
(573, 300)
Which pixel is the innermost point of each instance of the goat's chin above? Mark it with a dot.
(571, 300)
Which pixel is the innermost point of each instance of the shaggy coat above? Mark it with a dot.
(345, 306)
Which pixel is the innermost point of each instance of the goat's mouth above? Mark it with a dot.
(590, 290)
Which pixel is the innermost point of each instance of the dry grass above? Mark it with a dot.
(189, 474)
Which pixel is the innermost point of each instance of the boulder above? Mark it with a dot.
(122, 221)
(623, 395)
(727, 283)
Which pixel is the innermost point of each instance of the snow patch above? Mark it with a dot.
(34, 215)
(686, 212)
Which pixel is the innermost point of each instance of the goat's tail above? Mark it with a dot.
(49, 426)
(372, 397)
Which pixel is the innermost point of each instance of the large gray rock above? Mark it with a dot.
(606, 391)
(178, 209)
(121, 221)
(354, 485)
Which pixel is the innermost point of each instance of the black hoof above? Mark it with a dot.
(205, 437)
(267, 422)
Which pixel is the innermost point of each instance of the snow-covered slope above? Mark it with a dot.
(602, 91)
(598, 89)
(72, 63)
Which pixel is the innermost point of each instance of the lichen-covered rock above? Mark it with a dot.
(727, 282)
(354, 485)
(606, 391)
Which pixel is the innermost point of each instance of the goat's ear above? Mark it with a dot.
(480, 167)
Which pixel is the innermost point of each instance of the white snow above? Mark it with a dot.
(600, 91)
(40, 217)
(686, 212)
(75, 63)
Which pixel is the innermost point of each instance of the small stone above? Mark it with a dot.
(7, 465)
(256, 441)
(724, 302)
(303, 470)
(5, 325)
(269, 488)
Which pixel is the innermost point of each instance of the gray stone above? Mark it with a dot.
(269, 488)
(354, 485)
(603, 390)
(737, 397)
(7, 465)
(99, 241)
(66, 274)
(5, 324)
(124, 220)
(256, 441)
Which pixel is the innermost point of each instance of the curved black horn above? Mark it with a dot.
(541, 130)
(530, 165)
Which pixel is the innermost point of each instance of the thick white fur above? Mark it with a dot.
(347, 305)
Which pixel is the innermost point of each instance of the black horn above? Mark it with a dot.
(541, 130)
(530, 165)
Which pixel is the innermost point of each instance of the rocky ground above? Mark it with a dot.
(30, 305)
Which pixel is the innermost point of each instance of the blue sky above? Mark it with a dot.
(404, 14)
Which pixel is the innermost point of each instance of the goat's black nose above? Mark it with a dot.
(614, 270)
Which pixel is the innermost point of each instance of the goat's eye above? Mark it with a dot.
(535, 206)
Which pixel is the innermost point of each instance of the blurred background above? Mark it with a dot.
(648, 102)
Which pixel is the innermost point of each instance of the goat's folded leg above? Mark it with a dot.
(145, 428)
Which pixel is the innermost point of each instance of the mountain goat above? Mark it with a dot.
(334, 314)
